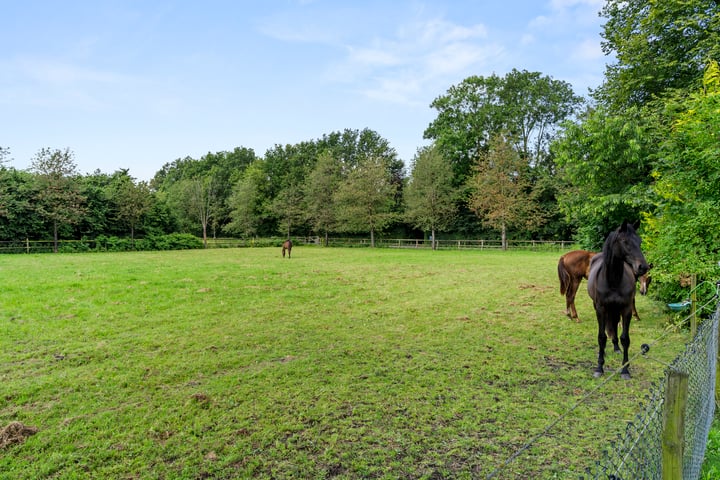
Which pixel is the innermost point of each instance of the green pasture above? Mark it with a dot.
(339, 363)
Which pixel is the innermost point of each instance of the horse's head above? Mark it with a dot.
(644, 281)
(624, 243)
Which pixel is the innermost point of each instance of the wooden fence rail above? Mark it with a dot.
(46, 246)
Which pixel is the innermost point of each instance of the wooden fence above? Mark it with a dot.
(46, 246)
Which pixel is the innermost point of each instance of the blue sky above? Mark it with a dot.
(136, 84)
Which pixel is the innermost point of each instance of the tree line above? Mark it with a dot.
(346, 182)
(518, 155)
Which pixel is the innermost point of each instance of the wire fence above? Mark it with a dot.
(409, 243)
(637, 454)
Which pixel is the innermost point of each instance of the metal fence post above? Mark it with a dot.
(673, 438)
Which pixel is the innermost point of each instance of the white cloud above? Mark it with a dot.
(563, 4)
(459, 57)
(440, 31)
(566, 15)
(373, 57)
(588, 50)
(527, 39)
(401, 89)
(404, 66)
(55, 72)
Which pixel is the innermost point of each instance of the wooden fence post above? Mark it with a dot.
(693, 305)
(673, 438)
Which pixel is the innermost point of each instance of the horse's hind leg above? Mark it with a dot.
(625, 340)
(570, 300)
(634, 310)
(602, 342)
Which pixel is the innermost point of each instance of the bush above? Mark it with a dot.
(173, 241)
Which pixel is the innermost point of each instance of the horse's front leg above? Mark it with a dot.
(602, 341)
(614, 335)
(625, 340)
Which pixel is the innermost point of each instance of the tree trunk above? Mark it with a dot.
(204, 225)
(504, 237)
(372, 237)
(434, 242)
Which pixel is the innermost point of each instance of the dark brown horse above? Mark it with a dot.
(611, 285)
(287, 245)
(573, 267)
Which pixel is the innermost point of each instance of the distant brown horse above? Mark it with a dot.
(573, 267)
(287, 245)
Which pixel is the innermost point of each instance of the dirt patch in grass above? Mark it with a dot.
(15, 432)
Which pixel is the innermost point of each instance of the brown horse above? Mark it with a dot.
(287, 245)
(573, 267)
(644, 281)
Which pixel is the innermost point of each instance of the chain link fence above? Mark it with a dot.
(637, 454)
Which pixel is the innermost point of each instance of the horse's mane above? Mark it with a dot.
(607, 250)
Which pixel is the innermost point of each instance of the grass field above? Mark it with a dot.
(338, 363)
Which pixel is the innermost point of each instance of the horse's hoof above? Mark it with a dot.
(598, 373)
(617, 350)
(625, 376)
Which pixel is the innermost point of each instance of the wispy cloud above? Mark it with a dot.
(588, 50)
(56, 72)
(406, 64)
(563, 4)
(62, 84)
(565, 13)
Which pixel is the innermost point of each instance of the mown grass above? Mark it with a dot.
(338, 363)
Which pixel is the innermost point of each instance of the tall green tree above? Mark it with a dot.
(246, 202)
(18, 218)
(659, 46)
(100, 214)
(604, 163)
(500, 189)
(225, 168)
(134, 201)
(685, 227)
(285, 169)
(58, 198)
(320, 187)
(366, 198)
(527, 104)
(430, 197)
(289, 208)
(606, 158)
(196, 198)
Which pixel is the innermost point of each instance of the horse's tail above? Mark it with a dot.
(564, 276)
